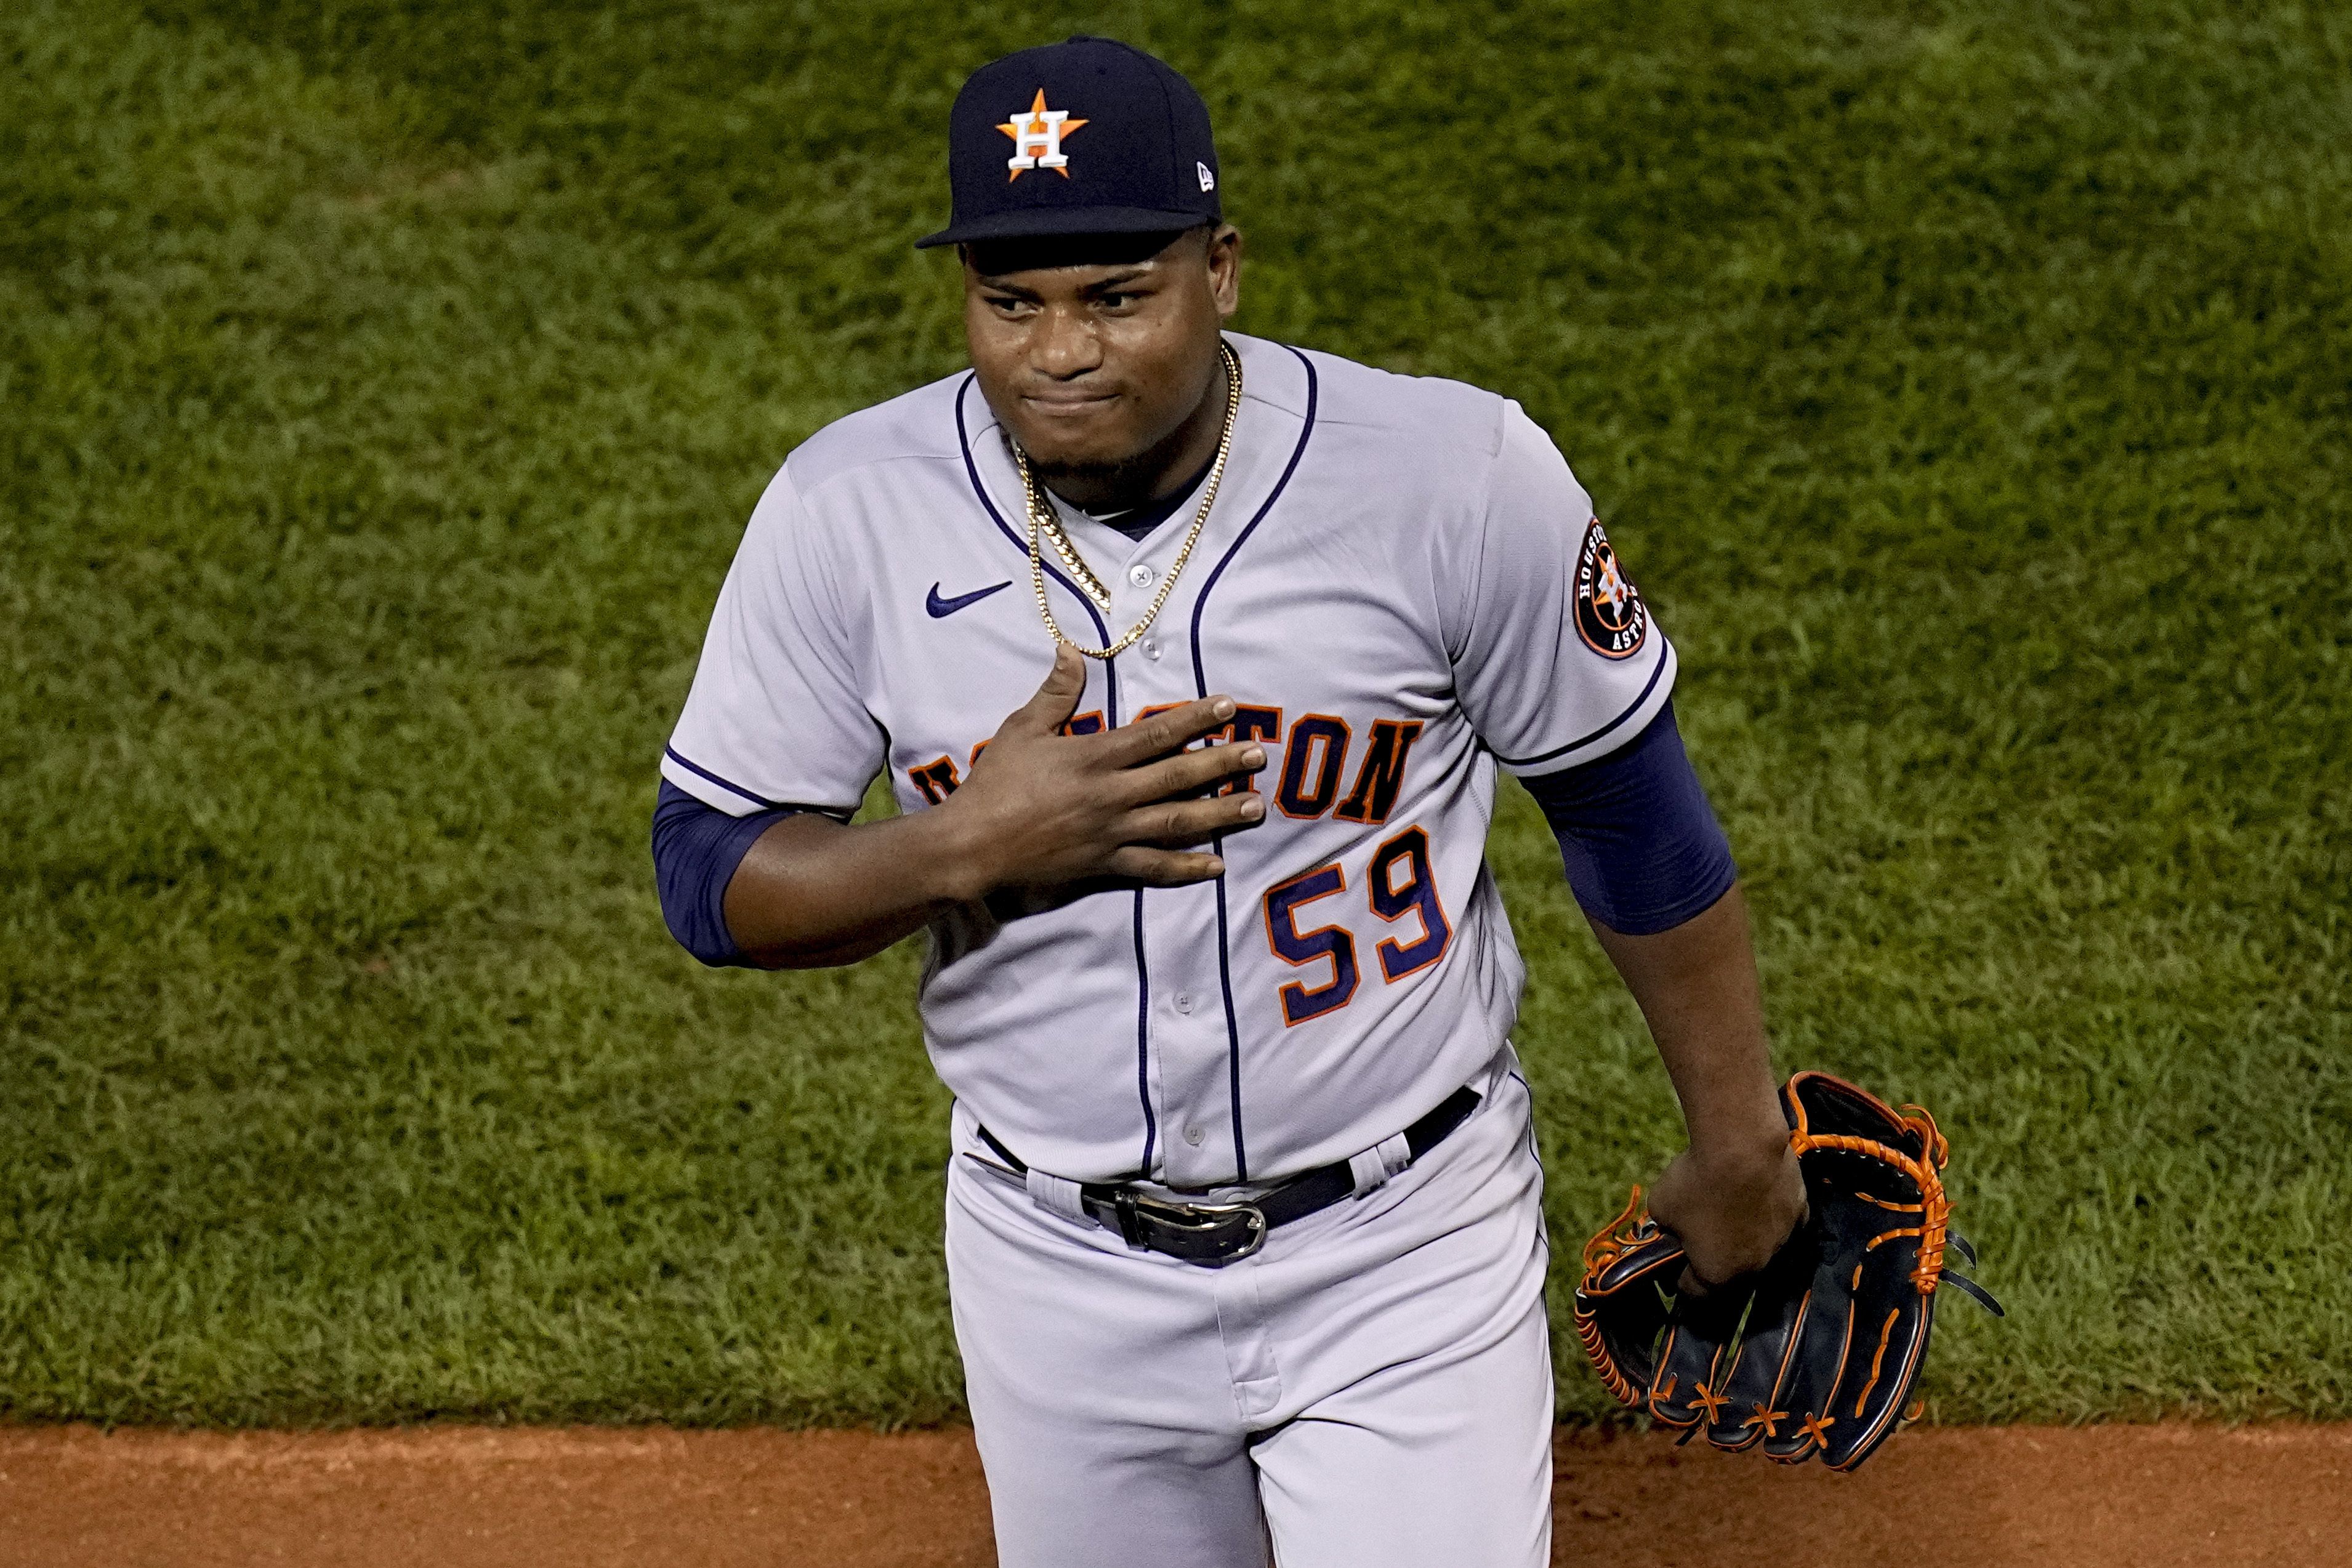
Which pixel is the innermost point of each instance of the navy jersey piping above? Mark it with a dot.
(1588, 740)
(733, 789)
(1110, 683)
(1201, 686)
(1143, 1038)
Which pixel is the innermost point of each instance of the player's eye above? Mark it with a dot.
(1116, 301)
(1008, 304)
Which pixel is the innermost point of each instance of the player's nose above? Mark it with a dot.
(1064, 344)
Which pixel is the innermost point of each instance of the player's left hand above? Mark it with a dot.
(1731, 1209)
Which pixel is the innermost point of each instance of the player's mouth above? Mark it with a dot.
(1069, 405)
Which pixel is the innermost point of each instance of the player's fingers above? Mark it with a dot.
(1164, 732)
(1192, 821)
(1698, 1286)
(1058, 699)
(1165, 867)
(1189, 772)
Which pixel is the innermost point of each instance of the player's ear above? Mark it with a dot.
(1225, 257)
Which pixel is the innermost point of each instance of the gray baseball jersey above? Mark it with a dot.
(1402, 588)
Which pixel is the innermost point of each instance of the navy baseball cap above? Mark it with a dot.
(1087, 137)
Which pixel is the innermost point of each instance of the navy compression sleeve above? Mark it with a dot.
(1643, 848)
(696, 851)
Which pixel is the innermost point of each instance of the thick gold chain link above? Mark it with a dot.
(1046, 526)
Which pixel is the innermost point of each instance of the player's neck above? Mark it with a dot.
(1156, 472)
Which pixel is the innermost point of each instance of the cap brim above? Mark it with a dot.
(1042, 222)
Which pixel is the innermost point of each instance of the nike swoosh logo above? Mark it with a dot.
(943, 606)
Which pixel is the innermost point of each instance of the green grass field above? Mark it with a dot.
(382, 389)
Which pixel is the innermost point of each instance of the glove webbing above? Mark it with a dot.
(1934, 1210)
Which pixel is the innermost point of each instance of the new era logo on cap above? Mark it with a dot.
(1144, 164)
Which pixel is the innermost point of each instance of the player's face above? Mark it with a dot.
(1099, 361)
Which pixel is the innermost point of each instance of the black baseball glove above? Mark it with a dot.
(1816, 1352)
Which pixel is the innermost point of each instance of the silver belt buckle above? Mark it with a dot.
(1208, 1222)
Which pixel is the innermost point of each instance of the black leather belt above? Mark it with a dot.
(1216, 1234)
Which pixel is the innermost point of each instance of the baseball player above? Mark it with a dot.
(1192, 659)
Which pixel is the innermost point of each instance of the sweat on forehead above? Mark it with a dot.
(999, 259)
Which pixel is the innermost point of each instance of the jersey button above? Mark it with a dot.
(1151, 648)
(1140, 574)
(1184, 1001)
(1194, 1136)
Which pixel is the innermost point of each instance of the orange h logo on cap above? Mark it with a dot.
(1037, 134)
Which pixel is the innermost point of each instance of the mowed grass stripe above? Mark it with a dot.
(385, 391)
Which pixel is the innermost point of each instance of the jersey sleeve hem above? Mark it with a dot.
(1600, 742)
(710, 789)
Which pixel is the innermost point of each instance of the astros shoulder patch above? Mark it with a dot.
(1610, 615)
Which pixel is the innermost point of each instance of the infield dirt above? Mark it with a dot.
(470, 1496)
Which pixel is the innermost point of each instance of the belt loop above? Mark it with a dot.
(1056, 1194)
(1373, 1166)
(1130, 1223)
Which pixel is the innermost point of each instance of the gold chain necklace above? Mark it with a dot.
(1046, 526)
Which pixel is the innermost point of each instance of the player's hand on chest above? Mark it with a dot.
(1047, 802)
(1321, 824)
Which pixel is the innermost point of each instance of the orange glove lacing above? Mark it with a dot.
(1934, 1210)
(1630, 1230)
